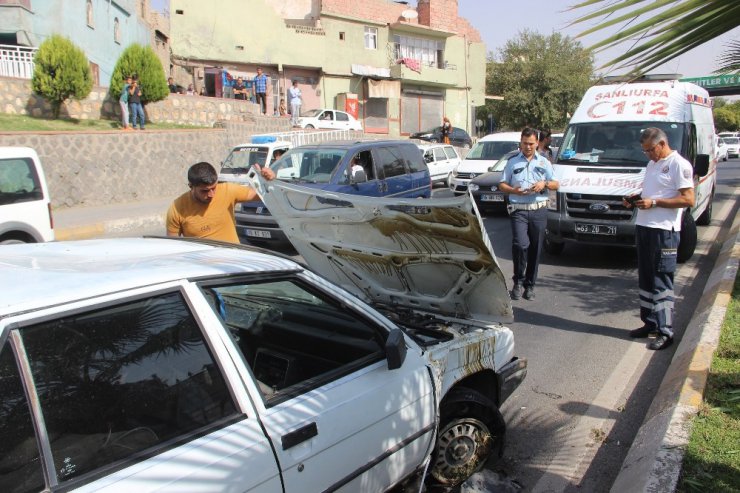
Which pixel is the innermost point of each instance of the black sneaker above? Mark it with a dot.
(660, 342)
(643, 331)
(529, 293)
(516, 292)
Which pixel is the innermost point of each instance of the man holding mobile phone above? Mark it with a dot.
(668, 188)
(527, 178)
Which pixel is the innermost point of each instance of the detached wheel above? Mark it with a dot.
(471, 429)
(687, 241)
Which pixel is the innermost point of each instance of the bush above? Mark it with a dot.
(61, 71)
(141, 61)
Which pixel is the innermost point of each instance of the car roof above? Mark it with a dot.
(350, 144)
(424, 147)
(502, 136)
(37, 275)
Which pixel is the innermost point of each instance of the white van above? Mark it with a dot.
(600, 161)
(25, 208)
(262, 150)
(483, 155)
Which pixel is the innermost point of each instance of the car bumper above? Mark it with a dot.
(458, 185)
(259, 228)
(509, 377)
(561, 228)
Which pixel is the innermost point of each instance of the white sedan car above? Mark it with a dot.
(721, 149)
(329, 119)
(733, 146)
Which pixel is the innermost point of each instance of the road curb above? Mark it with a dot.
(113, 227)
(653, 463)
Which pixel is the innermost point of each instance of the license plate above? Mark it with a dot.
(488, 197)
(596, 229)
(255, 233)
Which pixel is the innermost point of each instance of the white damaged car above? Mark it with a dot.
(166, 364)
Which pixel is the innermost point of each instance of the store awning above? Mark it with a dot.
(383, 88)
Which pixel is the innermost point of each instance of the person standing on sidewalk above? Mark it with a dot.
(123, 101)
(134, 102)
(527, 178)
(294, 98)
(207, 210)
(668, 188)
(260, 89)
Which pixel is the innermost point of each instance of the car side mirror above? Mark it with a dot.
(395, 349)
(701, 164)
(358, 174)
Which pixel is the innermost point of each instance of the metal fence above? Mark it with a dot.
(16, 61)
(301, 137)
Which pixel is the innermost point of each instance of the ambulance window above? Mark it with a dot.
(689, 150)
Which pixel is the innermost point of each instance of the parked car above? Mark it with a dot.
(484, 154)
(557, 139)
(733, 146)
(389, 168)
(721, 149)
(484, 188)
(728, 134)
(329, 119)
(25, 206)
(441, 160)
(458, 137)
(153, 364)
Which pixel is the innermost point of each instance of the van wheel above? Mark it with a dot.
(471, 429)
(706, 216)
(553, 247)
(687, 241)
(11, 241)
(309, 127)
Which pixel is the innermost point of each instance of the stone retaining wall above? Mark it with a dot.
(17, 98)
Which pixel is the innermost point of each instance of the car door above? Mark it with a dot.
(342, 121)
(129, 394)
(442, 165)
(390, 163)
(338, 418)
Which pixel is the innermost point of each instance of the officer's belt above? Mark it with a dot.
(533, 206)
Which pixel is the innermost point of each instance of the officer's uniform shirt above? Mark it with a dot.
(662, 181)
(520, 173)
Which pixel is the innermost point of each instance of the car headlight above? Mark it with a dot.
(473, 187)
(238, 207)
(552, 200)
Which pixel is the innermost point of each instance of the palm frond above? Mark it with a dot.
(661, 30)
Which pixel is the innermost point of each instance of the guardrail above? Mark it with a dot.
(300, 137)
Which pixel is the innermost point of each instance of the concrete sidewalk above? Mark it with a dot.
(80, 223)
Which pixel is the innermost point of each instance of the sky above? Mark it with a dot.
(501, 20)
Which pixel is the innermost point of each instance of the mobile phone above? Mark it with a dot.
(632, 199)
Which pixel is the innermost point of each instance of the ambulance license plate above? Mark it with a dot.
(596, 229)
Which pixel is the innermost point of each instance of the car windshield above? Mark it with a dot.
(491, 150)
(242, 158)
(501, 163)
(311, 113)
(308, 165)
(612, 143)
(732, 140)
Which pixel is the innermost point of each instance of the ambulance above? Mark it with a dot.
(600, 161)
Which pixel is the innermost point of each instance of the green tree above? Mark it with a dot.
(727, 118)
(657, 31)
(143, 62)
(61, 71)
(541, 78)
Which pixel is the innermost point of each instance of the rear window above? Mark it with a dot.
(19, 181)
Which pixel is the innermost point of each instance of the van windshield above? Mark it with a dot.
(613, 143)
(242, 158)
(308, 165)
(491, 150)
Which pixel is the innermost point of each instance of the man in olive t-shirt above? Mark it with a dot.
(207, 210)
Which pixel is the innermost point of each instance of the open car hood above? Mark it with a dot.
(426, 254)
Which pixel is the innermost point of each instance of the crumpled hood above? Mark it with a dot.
(427, 254)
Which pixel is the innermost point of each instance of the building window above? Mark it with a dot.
(116, 31)
(341, 36)
(371, 38)
(90, 22)
(428, 51)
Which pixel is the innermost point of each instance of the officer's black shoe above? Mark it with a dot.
(529, 293)
(660, 342)
(643, 331)
(516, 292)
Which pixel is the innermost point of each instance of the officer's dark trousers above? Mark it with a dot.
(528, 233)
(656, 263)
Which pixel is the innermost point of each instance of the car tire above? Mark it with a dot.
(553, 247)
(687, 242)
(309, 127)
(448, 181)
(706, 216)
(471, 429)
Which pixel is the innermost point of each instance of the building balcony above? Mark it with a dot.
(445, 77)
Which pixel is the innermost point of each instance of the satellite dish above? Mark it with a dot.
(409, 14)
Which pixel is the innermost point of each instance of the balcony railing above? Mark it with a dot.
(16, 61)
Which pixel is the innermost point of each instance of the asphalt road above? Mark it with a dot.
(589, 385)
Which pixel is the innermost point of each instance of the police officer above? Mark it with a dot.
(526, 178)
(668, 188)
